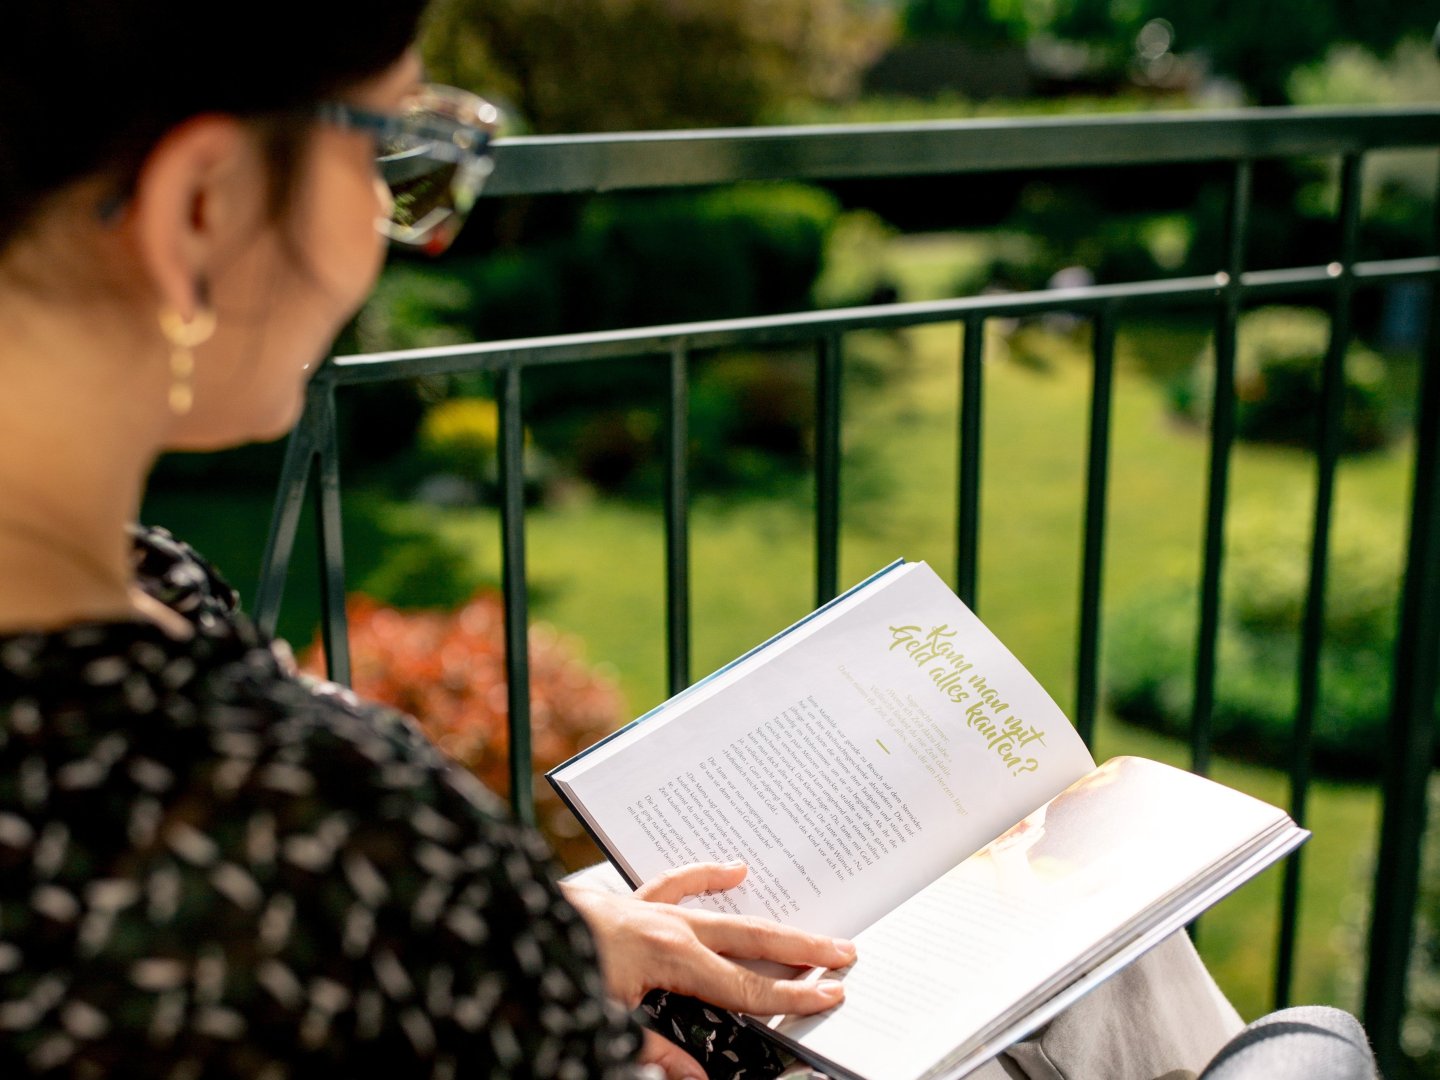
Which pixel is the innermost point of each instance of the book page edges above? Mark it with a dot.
(1118, 950)
(1124, 948)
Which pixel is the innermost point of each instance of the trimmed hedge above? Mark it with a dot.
(1150, 645)
(1279, 360)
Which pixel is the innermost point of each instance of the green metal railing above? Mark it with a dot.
(1233, 141)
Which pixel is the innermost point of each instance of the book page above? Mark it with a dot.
(848, 770)
(1016, 919)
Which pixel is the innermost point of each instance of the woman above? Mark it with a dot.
(208, 867)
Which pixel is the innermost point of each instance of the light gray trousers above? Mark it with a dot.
(1163, 1018)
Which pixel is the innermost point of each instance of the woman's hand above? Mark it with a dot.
(673, 1063)
(647, 943)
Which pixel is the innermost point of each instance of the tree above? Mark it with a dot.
(1257, 42)
(974, 21)
(615, 65)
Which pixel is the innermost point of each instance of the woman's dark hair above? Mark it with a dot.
(87, 87)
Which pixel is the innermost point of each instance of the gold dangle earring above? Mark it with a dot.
(183, 336)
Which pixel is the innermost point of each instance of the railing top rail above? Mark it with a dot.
(812, 325)
(755, 329)
(547, 165)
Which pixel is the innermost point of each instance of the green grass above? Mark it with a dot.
(597, 568)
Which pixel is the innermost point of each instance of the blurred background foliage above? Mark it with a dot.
(618, 65)
(526, 267)
(608, 65)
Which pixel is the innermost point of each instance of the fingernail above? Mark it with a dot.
(845, 948)
(831, 989)
(738, 864)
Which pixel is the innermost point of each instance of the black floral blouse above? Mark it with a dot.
(210, 867)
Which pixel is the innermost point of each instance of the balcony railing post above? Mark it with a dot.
(967, 531)
(517, 608)
(1410, 740)
(1327, 455)
(1222, 433)
(1092, 560)
(285, 517)
(677, 519)
(827, 469)
(330, 529)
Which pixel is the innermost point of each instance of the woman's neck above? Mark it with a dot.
(60, 563)
(78, 433)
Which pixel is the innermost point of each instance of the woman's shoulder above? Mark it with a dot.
(223, 695)
(170, 804)
(224, 704)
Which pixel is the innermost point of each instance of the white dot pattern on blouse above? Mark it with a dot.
(212, 868)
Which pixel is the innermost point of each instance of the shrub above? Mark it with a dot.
(751, 422)
(1280, 353)
(461, 435)
(1398, 186)
(1151, 644)
(726, 253)
(1257, 44)
(519, 293)
(1420, 1032)
(448, 671)
(1351, 74)
(653, 259)
(459, 453)
(634, 260)
(1420, 1028)
(412, 307)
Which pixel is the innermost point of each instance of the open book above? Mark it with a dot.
(892, 774)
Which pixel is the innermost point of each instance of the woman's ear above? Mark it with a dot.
(195, 193)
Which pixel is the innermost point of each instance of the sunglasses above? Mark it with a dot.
(434, 156)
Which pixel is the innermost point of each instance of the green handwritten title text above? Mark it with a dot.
(1008, 736)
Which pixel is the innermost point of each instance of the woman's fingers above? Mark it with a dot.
(757, 939)
(691, 880)
(656, 944)
(725, 983)
(742, 936)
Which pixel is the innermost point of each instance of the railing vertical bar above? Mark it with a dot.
(285, 517)
(827, 469)
(677, 523)
(967, 538)
(1409, 740)
(1312, 632)
(1222, 430)
(1087, 663)
(328, 519)
(517, 614)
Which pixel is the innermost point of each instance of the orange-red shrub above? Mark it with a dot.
(447, 669)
